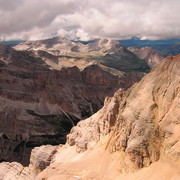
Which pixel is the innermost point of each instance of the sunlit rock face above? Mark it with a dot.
(142, 121)
(136, 132)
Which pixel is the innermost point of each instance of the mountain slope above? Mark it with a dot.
(39, 105)
(134, 136)
(168, 47)
(136, 132)
(150, 55)
(105, 51)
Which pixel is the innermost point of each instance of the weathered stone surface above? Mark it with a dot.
(135, 129)
(15, 171)
(41, 157)
(143, 122)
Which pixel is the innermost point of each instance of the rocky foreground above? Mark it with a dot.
(134, 136)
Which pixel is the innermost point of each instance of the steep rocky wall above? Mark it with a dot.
(142, 122)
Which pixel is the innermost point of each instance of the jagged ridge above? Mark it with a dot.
(136, 128)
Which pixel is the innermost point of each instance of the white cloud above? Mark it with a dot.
(88, 19)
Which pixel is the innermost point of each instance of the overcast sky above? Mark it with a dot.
(89, 19)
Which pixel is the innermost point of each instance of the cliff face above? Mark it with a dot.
(39, 105)
(142, 122)
(150, 55)
(136, 131)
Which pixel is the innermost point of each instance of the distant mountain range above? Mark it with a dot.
(11, 43)
(104, 51)
(166, 47)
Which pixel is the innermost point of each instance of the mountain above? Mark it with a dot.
(134, 136)
(11, 43)
(39, 103)
(167, 47)
(104, 51)
(150, 55)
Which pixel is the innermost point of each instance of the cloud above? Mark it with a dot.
(88, 19)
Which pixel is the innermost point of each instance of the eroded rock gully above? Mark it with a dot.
(39, 105)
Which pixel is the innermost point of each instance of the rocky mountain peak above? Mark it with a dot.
(161, 86)
(149, 54)
(65, 46)
(106, 45)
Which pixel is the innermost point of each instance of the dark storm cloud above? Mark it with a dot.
(87, 19)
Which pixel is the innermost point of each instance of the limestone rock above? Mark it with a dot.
(143, 124)
(136, 129)
(41, 157)
(15, 171)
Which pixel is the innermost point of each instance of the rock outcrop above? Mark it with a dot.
(150, 55)
(135, 129)
(16, 171)
(63, 46)
(134, 136)
(39, 105)
(143, 122)
(136, 132)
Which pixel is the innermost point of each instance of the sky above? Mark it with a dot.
(89, 19)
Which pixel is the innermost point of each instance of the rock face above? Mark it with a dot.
(150, 55)
(16, 171)
(143, 122)
(136, 129)
(39, 105)
(40, 159)
(105, 51)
